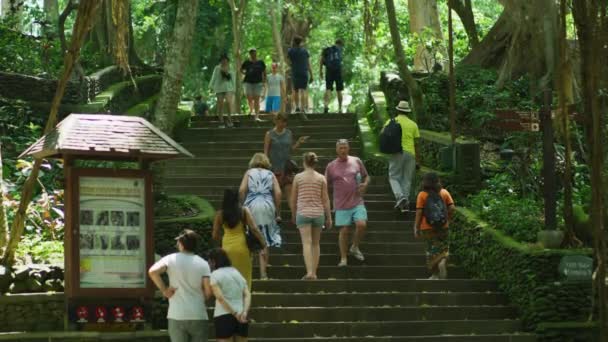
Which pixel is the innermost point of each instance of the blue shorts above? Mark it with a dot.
(273, 104)
(315, 222)
(346, 217)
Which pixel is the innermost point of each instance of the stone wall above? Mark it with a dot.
(31, 88)
(31, 312)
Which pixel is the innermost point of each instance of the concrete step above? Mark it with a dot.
(247, 122)
(365, 285)
(213, 151)
(216, 201)
(242, 161)
(359, 272)
(296, 259)
(511, 337)
(375, 313)
(366, 247)
(257, 143)
(234, 134)
(292, 117)
(218, 188)
(382, 328)
(379, 299)
(162, 336)
(331, 235)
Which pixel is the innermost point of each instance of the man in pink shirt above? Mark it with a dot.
(349, 179)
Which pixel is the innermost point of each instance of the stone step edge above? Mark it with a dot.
(50, 335)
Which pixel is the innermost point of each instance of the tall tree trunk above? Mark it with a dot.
(424, 16)
(238, 15)
(586, 15)
(84, 19)
(371, 15)
(3, 220)
(133, 56)
(51, 17)
(277, 40)
(416, 96)
(464, 9)
(515, 44)
(562, 73)
(176, 62)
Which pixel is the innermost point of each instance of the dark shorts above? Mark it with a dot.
(300, 81)
(227, 326)
(331, 76)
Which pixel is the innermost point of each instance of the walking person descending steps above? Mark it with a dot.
(434, 210)
(222, 83)
(301, 75)
(278, 145)
(261, 193)
(190, 287)
(275, 90)
(331, 58)
(232, 220)
(403, 151)
(254, 81)
(310, 202)
(349, 179)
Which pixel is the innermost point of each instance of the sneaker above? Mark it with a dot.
(399, 203)
(405, 206)
(325, 110)
(257, 119)
(356, 253)
(342, 263)
(434, 277)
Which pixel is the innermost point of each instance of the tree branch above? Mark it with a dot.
(465, 12)
(71, 6)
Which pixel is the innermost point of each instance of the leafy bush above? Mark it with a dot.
(520, 217)
(477, 97)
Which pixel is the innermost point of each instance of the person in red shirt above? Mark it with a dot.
(437, 250)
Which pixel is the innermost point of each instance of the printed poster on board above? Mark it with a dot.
(112, 232)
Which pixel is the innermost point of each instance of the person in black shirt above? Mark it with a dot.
(331, 58)
(301, 74)
(255, 78)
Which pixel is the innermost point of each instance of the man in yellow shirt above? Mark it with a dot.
(402, 165)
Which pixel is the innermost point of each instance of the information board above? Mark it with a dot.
(112, 232)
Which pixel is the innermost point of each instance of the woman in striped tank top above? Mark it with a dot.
(311, 211)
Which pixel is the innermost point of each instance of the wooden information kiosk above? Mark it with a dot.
(109, 216)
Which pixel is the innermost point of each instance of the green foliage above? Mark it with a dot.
(477, 97)
(39, 250)
(526, 273)
(166, 230)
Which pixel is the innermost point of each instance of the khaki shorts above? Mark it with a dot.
(253, 89)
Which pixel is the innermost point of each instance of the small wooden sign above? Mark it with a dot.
(576, 268)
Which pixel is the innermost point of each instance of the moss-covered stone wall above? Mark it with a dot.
(528, 274)
(31, 312)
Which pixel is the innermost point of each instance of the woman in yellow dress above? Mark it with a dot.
(232, 218)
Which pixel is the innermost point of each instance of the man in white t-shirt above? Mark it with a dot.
(189, 288)
(276, 90)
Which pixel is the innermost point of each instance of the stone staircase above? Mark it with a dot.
(388, 297)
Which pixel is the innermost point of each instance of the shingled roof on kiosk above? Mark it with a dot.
(100, 135)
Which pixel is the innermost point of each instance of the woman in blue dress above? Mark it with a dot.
(262, 196)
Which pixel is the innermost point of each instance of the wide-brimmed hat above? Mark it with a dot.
(404, 106)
